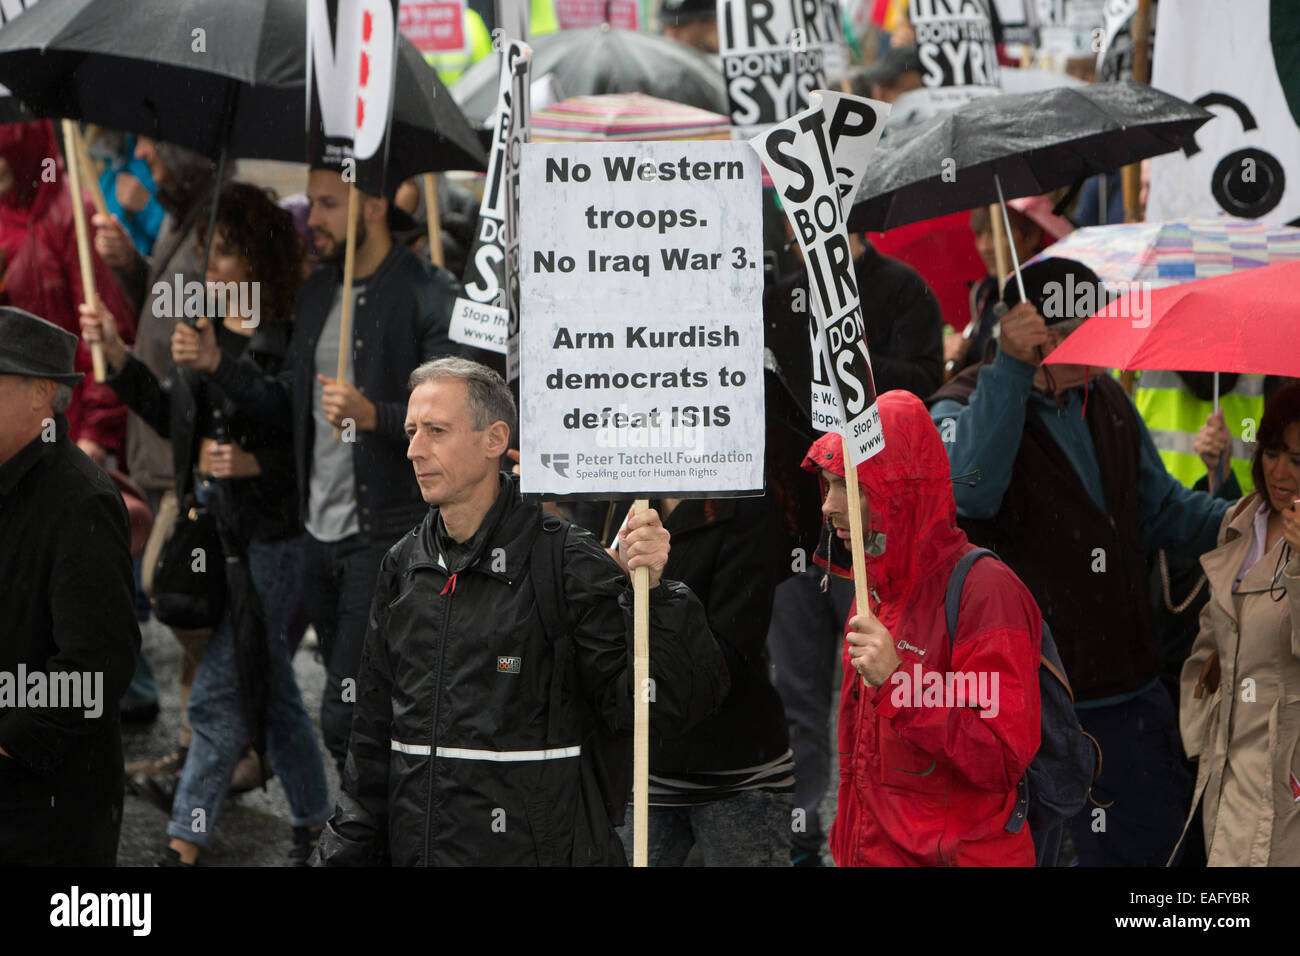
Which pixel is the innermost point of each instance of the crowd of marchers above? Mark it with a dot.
(477, 643)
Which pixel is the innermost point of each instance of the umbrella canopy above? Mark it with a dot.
(605, 60)
(1244, 322)
(1031, 143)
(1168, 253)
(625, 116)
(211, 75)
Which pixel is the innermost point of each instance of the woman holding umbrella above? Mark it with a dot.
(1240, 714)
(243, 470)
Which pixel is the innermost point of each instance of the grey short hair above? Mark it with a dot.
(62, 394)
(490, 399)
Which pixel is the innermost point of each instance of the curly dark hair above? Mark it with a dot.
(265, 235)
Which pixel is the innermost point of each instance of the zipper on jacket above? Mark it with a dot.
(450, 586)
(433, 729)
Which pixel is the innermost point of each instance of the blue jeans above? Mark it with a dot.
(1144, 788)
(751, 828)
(217, 716)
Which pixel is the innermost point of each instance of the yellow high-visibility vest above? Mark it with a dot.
(1174, 415)
(478, 41)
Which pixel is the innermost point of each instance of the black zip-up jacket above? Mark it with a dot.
(449, 762)
(265, 505)
(65, 568)
(400, 321)
(728, 551)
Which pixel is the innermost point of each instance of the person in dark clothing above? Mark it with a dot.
(356, 493)
(904, 329)
(1074, 497)
(726, 786)
(475, 737)
(70, 626)
(184, 180)
(234, 463)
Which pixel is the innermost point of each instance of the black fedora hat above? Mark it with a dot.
(32, 346)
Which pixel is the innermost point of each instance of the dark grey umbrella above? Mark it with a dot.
(136, 65)
(1024, 144)
(604, 60)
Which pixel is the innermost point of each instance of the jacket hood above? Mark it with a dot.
(26, 147)
(908, 487)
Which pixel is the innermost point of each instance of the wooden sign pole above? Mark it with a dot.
(83, 236)
(349, 265)
(640, 706)
(435, 219)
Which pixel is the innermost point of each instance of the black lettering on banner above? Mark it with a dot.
(773, 57)
(954, 42)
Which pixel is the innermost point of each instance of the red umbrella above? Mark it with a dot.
(1244, 322)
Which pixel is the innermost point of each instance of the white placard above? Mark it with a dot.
(801, 162)
(772, 56)
(480, 325)
(854, 125)
(641, 319)
(954, 41)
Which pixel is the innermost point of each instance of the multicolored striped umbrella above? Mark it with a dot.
(611, 117)
(1170, 253)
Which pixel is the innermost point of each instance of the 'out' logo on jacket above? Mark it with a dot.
(509, 665)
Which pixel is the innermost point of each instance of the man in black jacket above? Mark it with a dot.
(355, 489)
(478, 732)
(70, 639)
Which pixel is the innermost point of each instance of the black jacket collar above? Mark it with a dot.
(15, 469)
(513, 523)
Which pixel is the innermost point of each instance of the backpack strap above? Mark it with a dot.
(957, 581)
(546, 565)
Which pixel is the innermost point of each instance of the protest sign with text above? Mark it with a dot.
(800, 160)
(954, 41)
(351, 65)
(854, 126)
(480, 319)
(517, 134)
(773, 56)
(434, 26)
(642, 326)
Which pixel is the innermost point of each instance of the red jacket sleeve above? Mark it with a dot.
(997, 649)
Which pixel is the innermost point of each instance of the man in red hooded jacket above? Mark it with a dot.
(932, 742)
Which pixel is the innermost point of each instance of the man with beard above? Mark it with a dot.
(357, 493)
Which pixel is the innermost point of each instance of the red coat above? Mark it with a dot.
(42, 274)
(933, 784)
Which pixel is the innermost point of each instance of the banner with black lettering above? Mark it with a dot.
(1017, 20)
(802, 166)
(1241, 62)
(773, 56)
(517, 134)
(481, 318)
(642, 344)
(351, 65)
(854, 127)
(1070, 29)
(1115, 58)
(954, 40)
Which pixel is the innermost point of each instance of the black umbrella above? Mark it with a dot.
(222, 77)
(1024, 144)
(604, 60)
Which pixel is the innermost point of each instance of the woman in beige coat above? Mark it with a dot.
(1240, 688)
